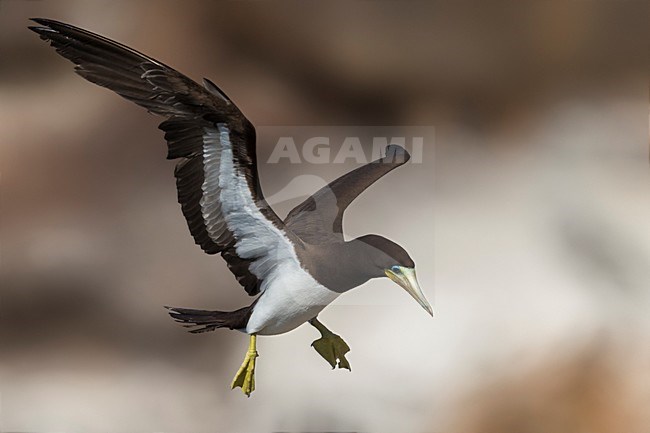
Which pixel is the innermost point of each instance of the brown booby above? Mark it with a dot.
(295, 267)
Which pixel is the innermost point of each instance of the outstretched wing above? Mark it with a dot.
(216, 176)
(319, 219)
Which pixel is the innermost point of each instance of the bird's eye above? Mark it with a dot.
(396, 269)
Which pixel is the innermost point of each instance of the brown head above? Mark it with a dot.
(382, 257)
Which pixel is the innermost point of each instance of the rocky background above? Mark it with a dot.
(528, 221)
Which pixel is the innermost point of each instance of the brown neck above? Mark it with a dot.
(341, 266)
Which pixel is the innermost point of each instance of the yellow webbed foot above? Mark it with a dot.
(245, 377)
(333, 349)
(330, 346)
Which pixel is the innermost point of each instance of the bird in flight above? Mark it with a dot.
(294, 267)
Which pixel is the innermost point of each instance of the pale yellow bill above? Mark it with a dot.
(407, 279)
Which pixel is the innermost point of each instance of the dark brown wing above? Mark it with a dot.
(216, 177)
(319, 219)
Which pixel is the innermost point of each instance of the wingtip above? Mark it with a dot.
(43, 27)
(398, 154)
(41, 21)
(53, 25)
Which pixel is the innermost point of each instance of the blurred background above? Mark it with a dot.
(529, 222)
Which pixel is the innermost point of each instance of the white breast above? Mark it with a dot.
(291, 297)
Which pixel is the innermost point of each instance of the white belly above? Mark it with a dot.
(289, 298)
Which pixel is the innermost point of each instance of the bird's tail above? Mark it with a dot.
(204, 321)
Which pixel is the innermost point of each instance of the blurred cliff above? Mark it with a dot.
(534, 234)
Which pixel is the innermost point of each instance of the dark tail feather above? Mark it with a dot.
(204, 321)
